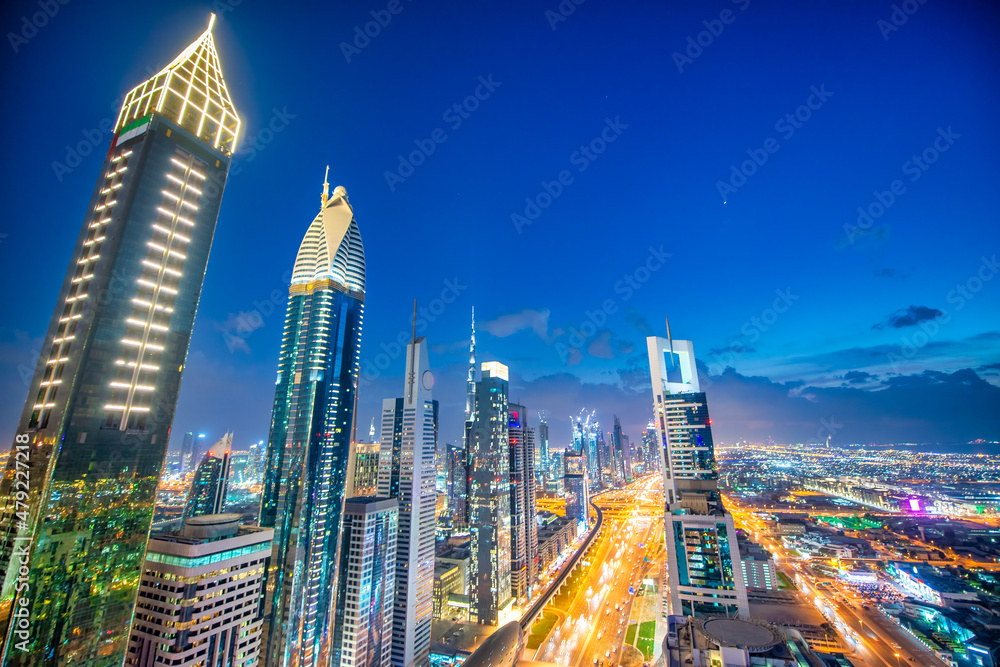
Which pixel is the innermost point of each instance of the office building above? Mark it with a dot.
(622, 455)
(448, 586)
(543, 471)
(199, 594)
(523, 529)
(309, 444)
(366, 460)
(704, 574)
(368, 582)
(409, 434)
(489, 499)
(457, 471)
(577, 489)
(101, 403)
(207, 494)
(187, 447)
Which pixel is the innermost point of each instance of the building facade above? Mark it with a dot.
(489, 499)
(96, 425)
(207, 494)
(577, 488)
(704, 574)
(368, 583)
(523, 529)
(199, 594)
(309, 444)
(409, 435)
(366, 460)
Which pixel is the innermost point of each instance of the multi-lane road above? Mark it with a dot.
(594, 625)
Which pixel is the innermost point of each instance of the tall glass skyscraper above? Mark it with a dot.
(101, 403)
(704, 575)
(207, 494)
(309, 444)
(523, 529)
(489, 499)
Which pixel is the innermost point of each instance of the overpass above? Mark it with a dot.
(536, 609)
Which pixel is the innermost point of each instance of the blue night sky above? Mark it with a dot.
(883, 331)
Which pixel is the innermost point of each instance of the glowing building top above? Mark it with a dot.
(331, 249)
(191, 92)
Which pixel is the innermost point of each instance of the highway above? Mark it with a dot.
(594, 624)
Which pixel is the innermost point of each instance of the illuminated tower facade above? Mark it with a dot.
(489, 499)
(309, 445)
(523, 529)
(409, 427)
(207, 494)
(704, 575)
(96, 424)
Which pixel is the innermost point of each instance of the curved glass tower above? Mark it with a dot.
(312, 419)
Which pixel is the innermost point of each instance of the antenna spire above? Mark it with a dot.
(670, 341)
(326, 188)
(211, 21)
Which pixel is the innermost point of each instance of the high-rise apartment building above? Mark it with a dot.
(523, 529)
(622, 453)
(102, 399)
(704, 574)
(368, 582)
(577, 488)
(489, 498)
(199, 595)
(409, 433)
(309, 445)
(207, 494)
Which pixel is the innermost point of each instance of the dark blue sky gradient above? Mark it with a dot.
(654, 186)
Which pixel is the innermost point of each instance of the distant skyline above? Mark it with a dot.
(807, 194)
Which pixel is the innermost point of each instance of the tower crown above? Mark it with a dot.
(332, 248)
(191, 92)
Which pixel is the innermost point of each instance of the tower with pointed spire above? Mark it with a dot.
(96, 424)
(309, 445)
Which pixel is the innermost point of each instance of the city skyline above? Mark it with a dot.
(664, 181)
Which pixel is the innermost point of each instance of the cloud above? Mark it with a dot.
(859, 377)
(909, 317)
(510, 324)
(236, 328)
(735, 348)
(636, 319)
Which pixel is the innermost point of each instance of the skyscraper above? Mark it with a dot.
(704, 575)
(102, 400)
(523, 529)
(489, 498)
(309, 444)
(577, 488)
(463, 513)
(409, 430)
(366, 459)
(200, 589)
(543, 466)
(365, 599)
(207, 494)
(622, 453)
(187, 446)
